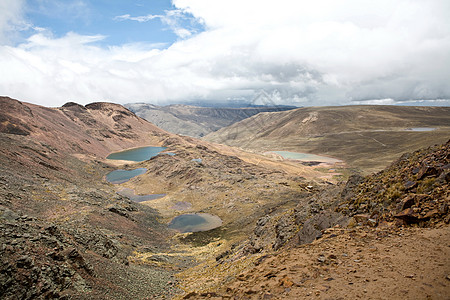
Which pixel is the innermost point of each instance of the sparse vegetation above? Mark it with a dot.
(65, 232)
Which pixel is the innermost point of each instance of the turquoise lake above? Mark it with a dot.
(136, 154)
(195, 222)
(121, 176)
(421, 129)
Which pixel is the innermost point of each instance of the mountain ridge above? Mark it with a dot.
(101, 127)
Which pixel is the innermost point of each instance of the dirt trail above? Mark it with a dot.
(359, 263)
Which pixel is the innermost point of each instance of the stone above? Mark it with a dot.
(408, 215)
(159, 258)
(312, 228)
(372, 222)
(286, 282)
(407, 202)
(410, 185)
(352, 182)
(222, 255)
(119, 211)
(431, 213)
(25, 261)
(427, 171)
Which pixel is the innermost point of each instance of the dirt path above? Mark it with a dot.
(360, 263)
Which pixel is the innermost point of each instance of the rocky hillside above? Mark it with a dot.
(415, 189)
(376, 237)
(196, 121)
(366, 137)
(66, 233)
(96, 128)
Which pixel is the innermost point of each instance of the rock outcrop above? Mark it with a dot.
(413, 190)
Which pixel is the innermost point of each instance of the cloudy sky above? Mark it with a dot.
(321, 52)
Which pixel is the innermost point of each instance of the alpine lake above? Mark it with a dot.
(192, 222)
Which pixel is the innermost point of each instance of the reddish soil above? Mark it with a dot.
(358, 263)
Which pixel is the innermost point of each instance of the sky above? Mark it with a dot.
(292, 52)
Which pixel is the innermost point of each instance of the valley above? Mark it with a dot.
(191, 219)
(196, 121)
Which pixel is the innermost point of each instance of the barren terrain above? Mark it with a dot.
(358, 263)
(290, 229)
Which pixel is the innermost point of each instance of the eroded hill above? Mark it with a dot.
(365, 137)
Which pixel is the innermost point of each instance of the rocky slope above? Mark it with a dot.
(65, 233)
(196, 121)
(360, 263)
(365, 137)
(380, 237)
(413, 190)
(95, 129)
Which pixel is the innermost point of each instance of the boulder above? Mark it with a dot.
(408, 216)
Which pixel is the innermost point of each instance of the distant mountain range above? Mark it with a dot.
(198, 121)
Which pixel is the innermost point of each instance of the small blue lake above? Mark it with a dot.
(121, 176)
(136, 154)
(305, 156)
(195, 222)
(421, 129)
(129, 193)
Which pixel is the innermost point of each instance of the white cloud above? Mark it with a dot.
(139, 19)
(302, 52)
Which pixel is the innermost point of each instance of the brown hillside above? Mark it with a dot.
(95, 129)
(64, 232)
(366, 137)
